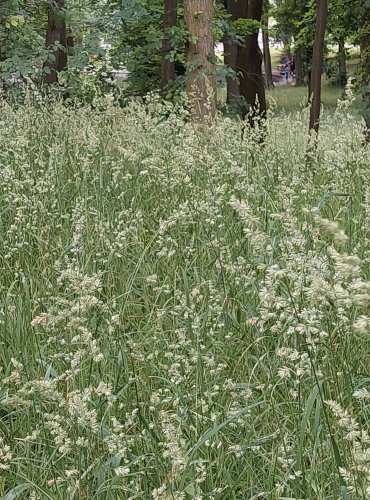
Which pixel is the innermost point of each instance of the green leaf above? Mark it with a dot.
(306, 416)
(50, 372)
(344, 493)
(207, 435)
(190, 490)
(15, 492)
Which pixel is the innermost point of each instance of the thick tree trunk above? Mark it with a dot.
(237, 9)
(317, 64)
(299, 76)
(267, 55)
(168, 72)
(252, 86)
(201, 86)
(342, 67)
(56, 33)
(230, 61)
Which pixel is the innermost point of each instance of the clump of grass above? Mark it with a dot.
(183, 314)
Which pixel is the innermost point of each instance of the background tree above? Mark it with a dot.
(245, 57)
(22, 38)
(317, 63)
(252, 85)
(237, 9)
(138, 41)
(295, 27)
(266, 46)
(201, 71)
(129, 35)
(342, 27)
(168, 72)
(56, 41)
(363, 11)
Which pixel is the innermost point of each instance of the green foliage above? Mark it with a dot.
(22, 38)
(342, 21)
(289, 15)
(134, 30)
(139, 45)
(296, 26)
(244, 27)
(22, 41)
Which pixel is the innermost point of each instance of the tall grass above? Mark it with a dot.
(184, 314)
(289, 98)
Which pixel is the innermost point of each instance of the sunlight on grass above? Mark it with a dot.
(290, 98)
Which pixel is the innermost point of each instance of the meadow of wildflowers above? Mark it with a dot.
(183, 314)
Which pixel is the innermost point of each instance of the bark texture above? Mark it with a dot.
(342, 67)
(252, 85)
(56, 33)
(2, 58)
(201, 70)
(267, 55)
(230, 60)
(168, 70)
(299, 74)
(317, 64)
(365, 77)
(237, 9)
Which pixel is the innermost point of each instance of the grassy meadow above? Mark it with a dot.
(286, 99)
(183, 314)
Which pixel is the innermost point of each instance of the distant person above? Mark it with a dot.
(283, 60)
(283, 63)
(287, 71)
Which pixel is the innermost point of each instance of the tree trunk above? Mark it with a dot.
(309, 82)
(230, 61)
(168, 72)
(267, 54)
(2, 59)
(299, 76)
(2, 54)
(201, 86)
(317, 63)
(252, 86)
(342, 64)
(237, 9)
(70, 45)
(56, 33)
(365, 80)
